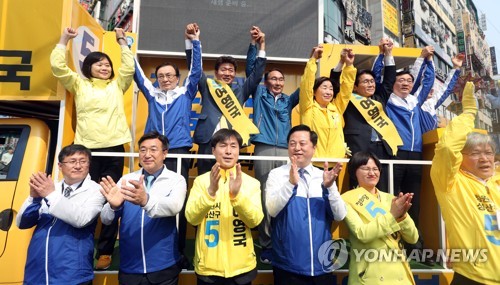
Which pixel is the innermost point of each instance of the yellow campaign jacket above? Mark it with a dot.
(468, 204)
(381, 233)
(100, 115)
(224, 244)
(327, 122)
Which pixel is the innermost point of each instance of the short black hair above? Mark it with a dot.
(303, 128)
(363, 72)
(92, 58)
(174, 66)
(72, 149)
(403, 72)
(155, 135)
(359, 159)
(225, 59)
(266, 75)
(224, 134)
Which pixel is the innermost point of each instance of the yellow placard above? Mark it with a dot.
(391, 18)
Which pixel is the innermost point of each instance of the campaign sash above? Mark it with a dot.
(231, 109)
(368, 207)
(374, 114)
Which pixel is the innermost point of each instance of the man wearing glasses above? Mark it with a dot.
(169, 109)
(64, 213)
(405, 110)
(147, 201)
(367, 127)
(272, 111)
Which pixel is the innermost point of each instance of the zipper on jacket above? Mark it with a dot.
(142, 242)
(412, 131)
(276, 122)
(163, 123)
(310, 234)
(47, 252)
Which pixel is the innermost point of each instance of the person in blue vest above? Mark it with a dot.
(147, 201)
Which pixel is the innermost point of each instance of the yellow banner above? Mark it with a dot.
(391, 18)
(29, 30)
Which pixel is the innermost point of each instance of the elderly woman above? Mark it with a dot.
(377, 222)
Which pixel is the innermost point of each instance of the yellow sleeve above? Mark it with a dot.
(248, 204)
(379, 227)
(408, 231)
(306, 96)
(448, 154)
(347, 79)
(68, 78)
(198, 203)
(126, 70)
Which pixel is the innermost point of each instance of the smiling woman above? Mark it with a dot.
(320, 111)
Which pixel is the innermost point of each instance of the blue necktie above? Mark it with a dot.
(149, 182)
(302, 171)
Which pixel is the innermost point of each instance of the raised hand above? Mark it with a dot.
(329, 176)
(235, 182)
(317, 51)
(214, 180)
(68, 34)
(348, 56)
(192, 31)
(294, 171)
(401, 204)
(112, 192)
(458, 60)
(41, 184)
(135, 194)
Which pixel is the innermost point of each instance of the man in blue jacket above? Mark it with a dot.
(169, 110)
(302, 201)
(65, 216)
(147, 201)
(272, 113)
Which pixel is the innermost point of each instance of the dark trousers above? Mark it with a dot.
(242, 279)
(408, 179)
(282, 277)
(459, 279)
(168, 276)
(171, 164)
(100, 167)
(379, 150)
(204, 165)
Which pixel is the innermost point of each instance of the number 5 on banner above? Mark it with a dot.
(211, 229)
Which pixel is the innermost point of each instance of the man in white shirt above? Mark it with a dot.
(65, 216)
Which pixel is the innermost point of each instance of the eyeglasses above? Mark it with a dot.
(152, 150)
(73, 163)
(402, 80)
(368, 169)
(280, 79)
(167, 76)
(478, 154)
(367, 81)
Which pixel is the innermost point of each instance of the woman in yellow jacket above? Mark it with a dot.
(378, 223)
(101, 124)
(319, 110)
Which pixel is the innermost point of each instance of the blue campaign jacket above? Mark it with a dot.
(272, 117)
(173, 122)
